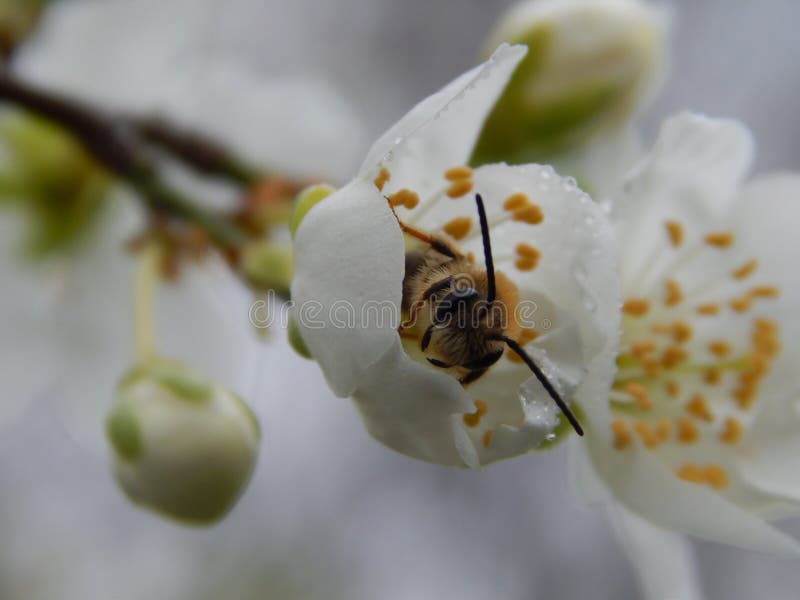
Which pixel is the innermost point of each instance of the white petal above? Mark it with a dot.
(415, 410)
(347, 285)
(692, 175)
(767, 222)
(441, 130)
(662, 559)
(646, 487)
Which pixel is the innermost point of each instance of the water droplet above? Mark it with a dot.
(550, 437)
(570, 184)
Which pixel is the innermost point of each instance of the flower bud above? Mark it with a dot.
(49, 176)
(305, 201)
(590, 64)
(267, 265)
(183, 446)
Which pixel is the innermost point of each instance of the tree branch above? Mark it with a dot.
(121, 145)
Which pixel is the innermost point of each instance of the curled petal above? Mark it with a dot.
(347, 285)
(441, 130)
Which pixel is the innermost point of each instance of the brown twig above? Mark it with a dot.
(121, 146)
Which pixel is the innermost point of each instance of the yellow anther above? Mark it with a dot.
(458, 227)
(487, 438)
(651, 366)
(719, 348)
(672, 388)
(531, 214)
(526, 263)
(458, 173)
(515, 202)
(675, 232)
(527, 250)
(647, 434)
(472, 419)
(672, 293)
(662, 430)
(745, 270)
(765, 291)
(712, 376)
(691, 473)
(641, 347)
(681, 332)
(672, 356)
(719, 239)
(383, 176)
(716, 477)
(639, 395)
(731, 432)
(459, 188)
(744, 396)
(404, 197)
(635, 307)
(741, 304)
(687, 431)
(765, 324)
(708, 309)
(698, 407)
(622, 436)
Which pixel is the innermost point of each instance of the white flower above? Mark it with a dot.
(350, 259)
(66, 324)
(703, 424)
(182, 445)
(592, 64)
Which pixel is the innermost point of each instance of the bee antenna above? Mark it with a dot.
(518, 350)
(487, 249)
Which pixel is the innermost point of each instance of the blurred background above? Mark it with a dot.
(331, 514)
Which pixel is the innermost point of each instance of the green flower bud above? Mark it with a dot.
(182, 445)
(590, 64)
(47, 174)
(305, 201)
(17, 20)
(296, 340)
(268, 266)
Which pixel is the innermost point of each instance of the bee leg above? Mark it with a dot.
(426, 338)
(472, 376)
(426, 238)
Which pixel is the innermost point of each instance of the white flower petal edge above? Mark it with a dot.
(663, 560)
(685, 455)
(350, 263)
(440, 131)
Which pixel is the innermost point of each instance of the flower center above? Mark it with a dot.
(692, 359)
(416, 210)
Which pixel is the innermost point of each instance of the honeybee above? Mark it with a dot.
(465, 313)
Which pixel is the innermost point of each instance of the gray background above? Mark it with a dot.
(330, 513)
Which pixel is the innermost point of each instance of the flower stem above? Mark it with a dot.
(145, 279)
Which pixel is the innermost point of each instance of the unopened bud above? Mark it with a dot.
(590, 64)
(305, 201)
(267, 265)
(183, 446)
